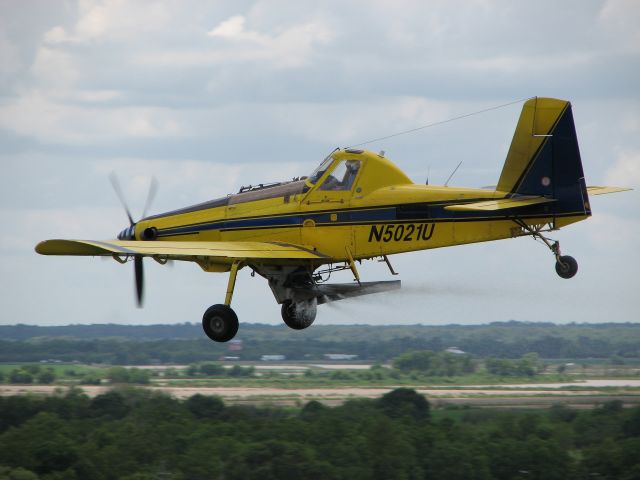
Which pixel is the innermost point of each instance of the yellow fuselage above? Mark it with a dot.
(382, 213)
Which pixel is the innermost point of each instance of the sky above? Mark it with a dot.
(209, 96)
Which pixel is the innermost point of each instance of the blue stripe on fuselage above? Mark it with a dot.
(422, 212)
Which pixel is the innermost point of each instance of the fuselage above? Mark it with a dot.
(357, 204)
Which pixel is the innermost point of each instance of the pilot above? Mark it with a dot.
(352, 172)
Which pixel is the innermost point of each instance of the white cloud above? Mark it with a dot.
(9, 56)
(287, 47)
(626, 171)
(234, 28)
(54, 68)
(187, 181)
(111, 19)
(36, 115)
(609, 232)
(346, 123)
(518, 64)
(620, 19)
(28, 227)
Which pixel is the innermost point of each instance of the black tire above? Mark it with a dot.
(299, 315)
(567, 266)
(220, 323)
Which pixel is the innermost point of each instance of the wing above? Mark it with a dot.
(204, 253)
(500, 204)
(602, 190)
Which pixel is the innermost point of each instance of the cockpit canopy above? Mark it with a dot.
(339, 172)
(342, 176)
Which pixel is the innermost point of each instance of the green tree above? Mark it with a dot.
(128, 375)
(91, 378)
(46, 376)
(32, 369)
(111, 404)
(434, 364)
(238, 371)
(391, 455)
(529, 364)
(139, 376)
(211, 369)
(20, 376)
(118, 375)
(202, 406)
(404, 402)
(19, 473)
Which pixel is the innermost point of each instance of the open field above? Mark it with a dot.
(296, 383)
(542, 395)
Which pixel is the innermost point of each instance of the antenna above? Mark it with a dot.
(452, 173)
(437, 123)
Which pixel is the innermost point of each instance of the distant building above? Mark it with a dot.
(229, 358)
(272, 358)
(455, 350)
(234, 345)
(339, 356)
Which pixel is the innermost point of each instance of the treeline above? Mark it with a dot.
(36, 374)
(135, 345)
(139, 435)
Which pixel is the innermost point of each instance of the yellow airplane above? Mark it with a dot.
(359, 205)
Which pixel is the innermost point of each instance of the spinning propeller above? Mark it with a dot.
(129, 232)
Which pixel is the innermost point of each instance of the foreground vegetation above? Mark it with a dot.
(137, 435)
(185, 343)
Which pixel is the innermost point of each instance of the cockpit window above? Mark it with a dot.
(318, 172)
(342, 176)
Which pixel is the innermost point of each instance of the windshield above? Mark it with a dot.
(318, 172)
(342, 176)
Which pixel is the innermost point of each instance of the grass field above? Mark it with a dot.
(294, 384)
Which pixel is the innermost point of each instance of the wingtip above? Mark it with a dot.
(41, 247)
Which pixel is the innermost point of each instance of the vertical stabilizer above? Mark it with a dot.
(544, 158)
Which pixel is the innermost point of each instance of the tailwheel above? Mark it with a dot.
(299, 315)
(220, 323)
(566, 266)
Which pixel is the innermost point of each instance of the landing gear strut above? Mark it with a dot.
(220, 322)
(566, 266)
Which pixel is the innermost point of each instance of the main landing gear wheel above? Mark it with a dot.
(220, 323)
(566, 266)
(299, 315)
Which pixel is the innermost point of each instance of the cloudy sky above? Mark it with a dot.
(209, 96)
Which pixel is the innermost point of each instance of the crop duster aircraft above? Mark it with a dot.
(359, 205)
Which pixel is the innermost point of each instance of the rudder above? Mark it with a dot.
(544, 158)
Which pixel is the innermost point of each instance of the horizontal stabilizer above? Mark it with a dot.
(500, 204)
(602, 190)
(339, 291)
